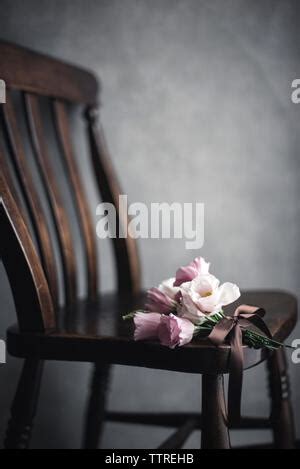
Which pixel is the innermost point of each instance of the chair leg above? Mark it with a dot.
(24, 406)
(281, 410)
(215, 433)
(96, 406)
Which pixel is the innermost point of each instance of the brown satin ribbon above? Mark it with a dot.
(231, 327)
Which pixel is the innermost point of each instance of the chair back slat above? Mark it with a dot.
(32, 296)
(84, 215)
(36, 220)
(128, 266)
(30, 195)
(53, 193)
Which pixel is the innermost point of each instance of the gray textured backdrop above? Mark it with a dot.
(196, 107)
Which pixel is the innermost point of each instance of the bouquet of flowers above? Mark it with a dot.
(191, 306)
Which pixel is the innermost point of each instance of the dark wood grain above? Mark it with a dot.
(24, 406)
(84, 215)
(97, 331)
(215, 433)
(32, 297)
(30, 195)
(92, 330)
(127, 260)
(281, 410)
(25, 70)
(53, 192)
(96, 409)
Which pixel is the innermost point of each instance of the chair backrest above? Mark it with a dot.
(28, 247)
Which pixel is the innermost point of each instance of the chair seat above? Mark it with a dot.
(95, 332)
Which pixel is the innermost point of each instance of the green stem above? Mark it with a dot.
(128, 316)
(251, 338)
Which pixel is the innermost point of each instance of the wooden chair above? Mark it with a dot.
(92, 330)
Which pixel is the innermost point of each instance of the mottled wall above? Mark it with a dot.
(196, 107)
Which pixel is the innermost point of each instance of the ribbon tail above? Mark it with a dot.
(236, 376)
(221, 331)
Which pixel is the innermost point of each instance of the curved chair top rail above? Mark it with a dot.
(32, 72)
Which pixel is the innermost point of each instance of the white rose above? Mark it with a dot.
(167, 287)
(204, 296)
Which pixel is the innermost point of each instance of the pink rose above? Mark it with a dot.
(170, 330)
(162, 299)
(146, 325)
(185, 274)
(174, 331)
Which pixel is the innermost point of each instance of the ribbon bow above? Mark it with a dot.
(231, 327)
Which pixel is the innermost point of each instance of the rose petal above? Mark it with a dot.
(146, 325)
(168, 288)
(189, 272)
(174, 331)
(228, 293)
(157, 301)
